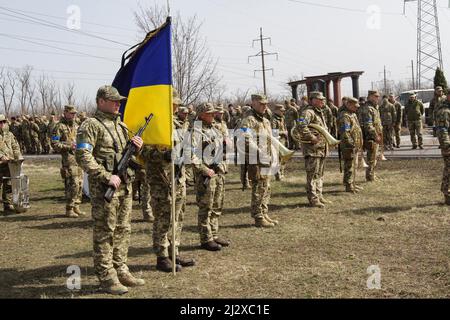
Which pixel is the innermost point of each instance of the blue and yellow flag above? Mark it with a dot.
(146, 79)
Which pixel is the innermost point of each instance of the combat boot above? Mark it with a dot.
(324, 201)
(70, 213)
(263, 223)
(9, 209)
(211, 246)
(127, 279)
(184, 262)
(350, 188)
(266, 216)
(114, 287)
(222, 242)
(165, 264)
(79, 212)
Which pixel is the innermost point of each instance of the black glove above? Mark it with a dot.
(167, 155)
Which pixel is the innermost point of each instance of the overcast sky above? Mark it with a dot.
(310, 39)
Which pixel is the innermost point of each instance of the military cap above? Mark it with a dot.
(316, 95)
(373, 92)
(280, 107)
(353, 100)
(2, 117)
(262, 98)
(82, 114)
(108, 92)
(412, 94)
(219, 108)
(438, 88)
(183, 110)
(205, 108)
(70, 108)
(53, 113)
(246, 108)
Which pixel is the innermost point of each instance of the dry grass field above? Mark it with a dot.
(399, 224)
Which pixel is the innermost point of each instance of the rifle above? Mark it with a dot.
(127, 153)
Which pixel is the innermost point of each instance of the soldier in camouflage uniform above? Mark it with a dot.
(64, 137)
(34, 135)
(25, 133)
(82, 117)
(442, 131)
(334, 112)
(182, 116)
(280, 132)
(9, 150)
(209, 169)
(388, 116)
(240, 115)
(350, 135)
(100, 142)
(315, 148)
(51, 126)
(257, 133)
(290, 117)
(43, 135)
(369, 119)
(435, 103)
(141, 193)
(14, 128)
(414, 111)
(192, 115)
(398, 119)
(158, 168)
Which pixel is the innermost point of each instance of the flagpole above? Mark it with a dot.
(174, 223)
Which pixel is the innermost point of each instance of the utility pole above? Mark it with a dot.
(385, 79)
(412, 75)
(262, 53)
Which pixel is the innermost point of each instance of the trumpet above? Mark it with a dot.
(330, 140)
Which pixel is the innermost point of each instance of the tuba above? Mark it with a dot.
(19, 186)
(330, 140)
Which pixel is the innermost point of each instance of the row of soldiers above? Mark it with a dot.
(33, 133)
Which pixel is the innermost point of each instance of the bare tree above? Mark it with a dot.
(43, 90)
(7, 90)
(194, 68)
(69, 93)
(32, 100)
(23, 85)
(241, 97)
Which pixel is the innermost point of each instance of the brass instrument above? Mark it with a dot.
(285, 153)
(329, 139)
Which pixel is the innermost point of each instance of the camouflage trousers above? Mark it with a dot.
(349, 157)
(260, 191)
(142, 188)
(280, 173)
(372, 155)
(190, 178)
(446, 176)
(210, 196)
(415, 129)
(397, 128)
(5, 185)
(45, 143)
(244, 175)
(161, 200)
(388, 133)
(314, 177)
(36, 145)
(112, 229)
(73, 184)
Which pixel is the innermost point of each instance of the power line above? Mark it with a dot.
(55, 26)
(63, 18)
(59, 71)
(341, 8)
(43, 52)
(55, 47)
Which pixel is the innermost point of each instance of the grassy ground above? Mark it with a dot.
(399, 224)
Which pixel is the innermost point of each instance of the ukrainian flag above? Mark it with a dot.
(146, 79)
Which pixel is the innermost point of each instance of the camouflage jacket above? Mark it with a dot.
(311, 115)
(350, 132)
(279, 125)
(14, 128)
(255, 128)
(64, 137)
(207, 148)
(387, 113)
(398, 112)
(435, 105)
(158, 161)
(290, 116)
(8, 145)
(100, 142)
(443, 127)
(34, 130)
(414, 110)
(370, 122)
